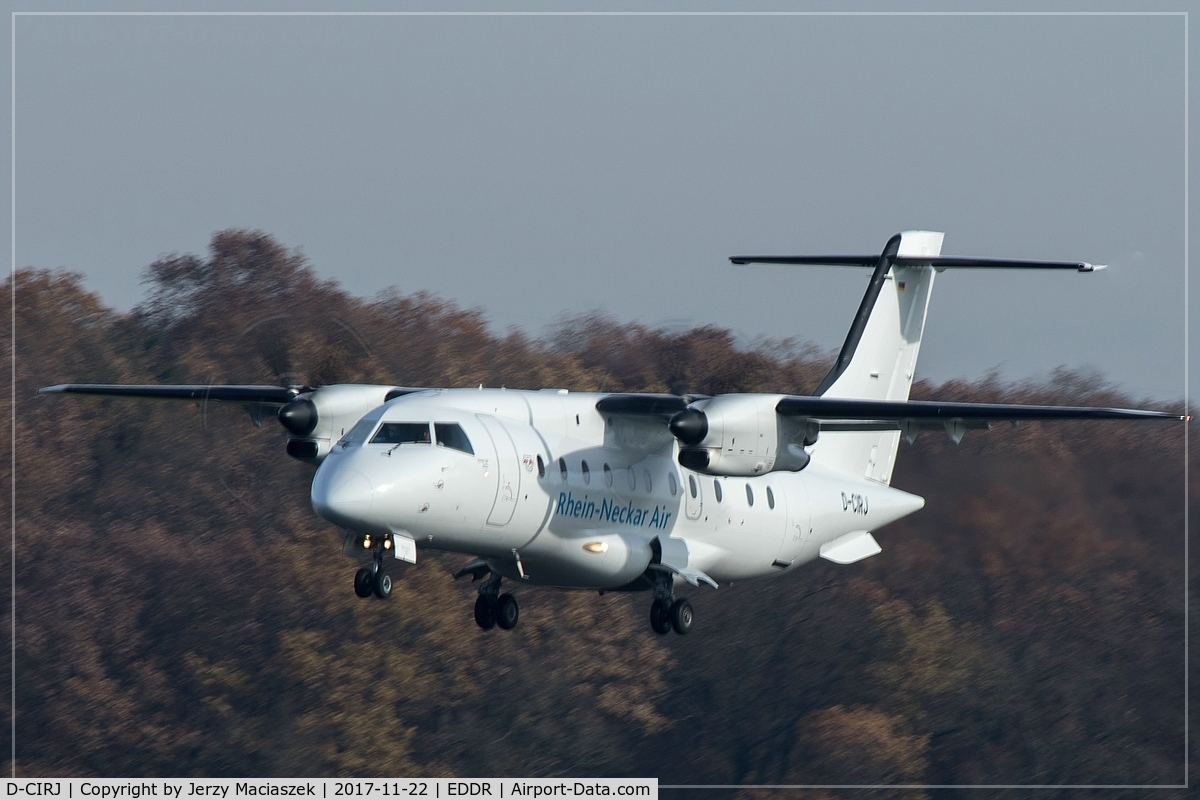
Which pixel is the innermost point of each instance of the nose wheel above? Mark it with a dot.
(364, 582)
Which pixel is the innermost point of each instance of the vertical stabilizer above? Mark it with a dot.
(879, 356)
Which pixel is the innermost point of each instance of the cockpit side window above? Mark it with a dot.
(359, 433)
(451, 434)
(402, 433)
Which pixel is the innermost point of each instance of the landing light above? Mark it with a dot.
(387, 544)
(596, 547)
(367, 542)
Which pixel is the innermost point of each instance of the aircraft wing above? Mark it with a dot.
(882, 414)
(195, 392)
(260, 402)
(923, 411)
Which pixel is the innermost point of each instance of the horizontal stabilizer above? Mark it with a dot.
(937, 262)
(823, 408)
(198, 393)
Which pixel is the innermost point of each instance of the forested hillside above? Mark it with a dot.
(182, 611)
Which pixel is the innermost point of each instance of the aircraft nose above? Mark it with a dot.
(343, 497)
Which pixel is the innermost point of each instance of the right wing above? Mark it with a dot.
(277, 395)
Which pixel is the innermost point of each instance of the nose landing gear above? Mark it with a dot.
(363, 580)
(374, 579)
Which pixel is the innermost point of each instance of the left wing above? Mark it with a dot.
(690, 424)
(911, 416)
(821, 408)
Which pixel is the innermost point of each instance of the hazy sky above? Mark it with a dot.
(532, 166)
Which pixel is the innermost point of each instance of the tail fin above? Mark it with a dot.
(880, 353)
(879, 356)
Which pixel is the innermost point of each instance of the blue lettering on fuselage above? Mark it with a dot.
(611, 512)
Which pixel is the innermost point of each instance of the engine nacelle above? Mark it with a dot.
(738, 435)
(317, 419)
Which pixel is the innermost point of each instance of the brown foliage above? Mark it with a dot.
(181, 611)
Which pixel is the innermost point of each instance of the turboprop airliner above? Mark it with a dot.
(634, 492)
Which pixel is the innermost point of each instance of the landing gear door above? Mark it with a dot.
(508, 472)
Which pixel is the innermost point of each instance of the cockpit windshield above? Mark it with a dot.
(402, 433)
(451, 434)
(359, 433)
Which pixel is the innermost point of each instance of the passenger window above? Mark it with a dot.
(359, 433)
(451, 434)
(749, 495)
(402, 433)
(632, 479)
(672, 483)
(562, 468)
(770, 498)
(541, 467)
(646, 478)
(608, 479)
(692, 486)
(587, 473)
(717, 490)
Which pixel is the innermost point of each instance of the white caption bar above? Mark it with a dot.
(225, 788)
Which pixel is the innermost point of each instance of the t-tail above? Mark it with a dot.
(879, 357)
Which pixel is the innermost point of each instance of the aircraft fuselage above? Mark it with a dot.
(553, 492)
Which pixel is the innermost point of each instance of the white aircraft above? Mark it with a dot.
(631, 492)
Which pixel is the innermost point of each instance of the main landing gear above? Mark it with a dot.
(666, 612)
(492, 609)
(374, 579)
